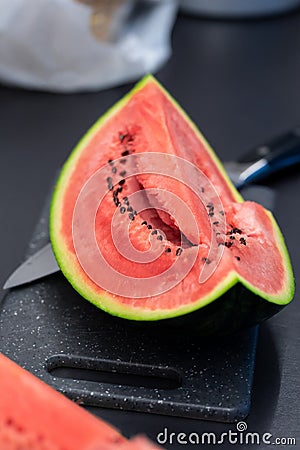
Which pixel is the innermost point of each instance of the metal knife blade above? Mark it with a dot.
(39, 265)
(255, 165)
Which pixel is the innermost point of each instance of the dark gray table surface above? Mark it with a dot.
(240, 82)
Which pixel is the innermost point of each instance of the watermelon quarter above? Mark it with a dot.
(146, 224)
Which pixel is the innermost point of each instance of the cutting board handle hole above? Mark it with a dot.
(113, 372)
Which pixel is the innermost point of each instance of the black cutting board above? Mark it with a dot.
(96, 359)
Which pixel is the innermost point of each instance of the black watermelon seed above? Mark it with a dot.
(243, 241)
(130, 208)
(144, 223)
(121, 182)
(154, 232)
(117, 203)
(109, 180)
(122, 161)
(168, 250)
(159, 237)
(122, 210)
(125, 153)
(228, 244)
(222, 213)
(123, 173)
(134, 212)
(122, 137)
(202, 189)
(218, 233)
(238, 258)
(110, 161)
(149, 227)
(211, 214)
(237, 230)
(216, 223)
(209, 205)
(206, 260)
(232, 238)
(115, 193)
(126, 201)
(131, 216)
(114, 170)
(178, 251)
(110, 186)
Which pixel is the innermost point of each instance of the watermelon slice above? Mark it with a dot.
(146, 224)
(33, 416)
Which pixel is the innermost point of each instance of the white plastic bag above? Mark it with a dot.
(61, 45)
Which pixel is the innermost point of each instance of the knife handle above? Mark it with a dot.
(264, 160)
(280, 152)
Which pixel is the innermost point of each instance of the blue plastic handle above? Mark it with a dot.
(281, 152)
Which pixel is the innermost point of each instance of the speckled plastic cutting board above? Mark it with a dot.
(99, 360)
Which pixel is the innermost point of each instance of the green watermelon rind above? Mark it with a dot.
(109, 302)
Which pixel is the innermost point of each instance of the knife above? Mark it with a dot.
(281, 152)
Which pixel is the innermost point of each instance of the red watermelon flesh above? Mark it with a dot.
(149, 121)
(33, 416)
(136, 443)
